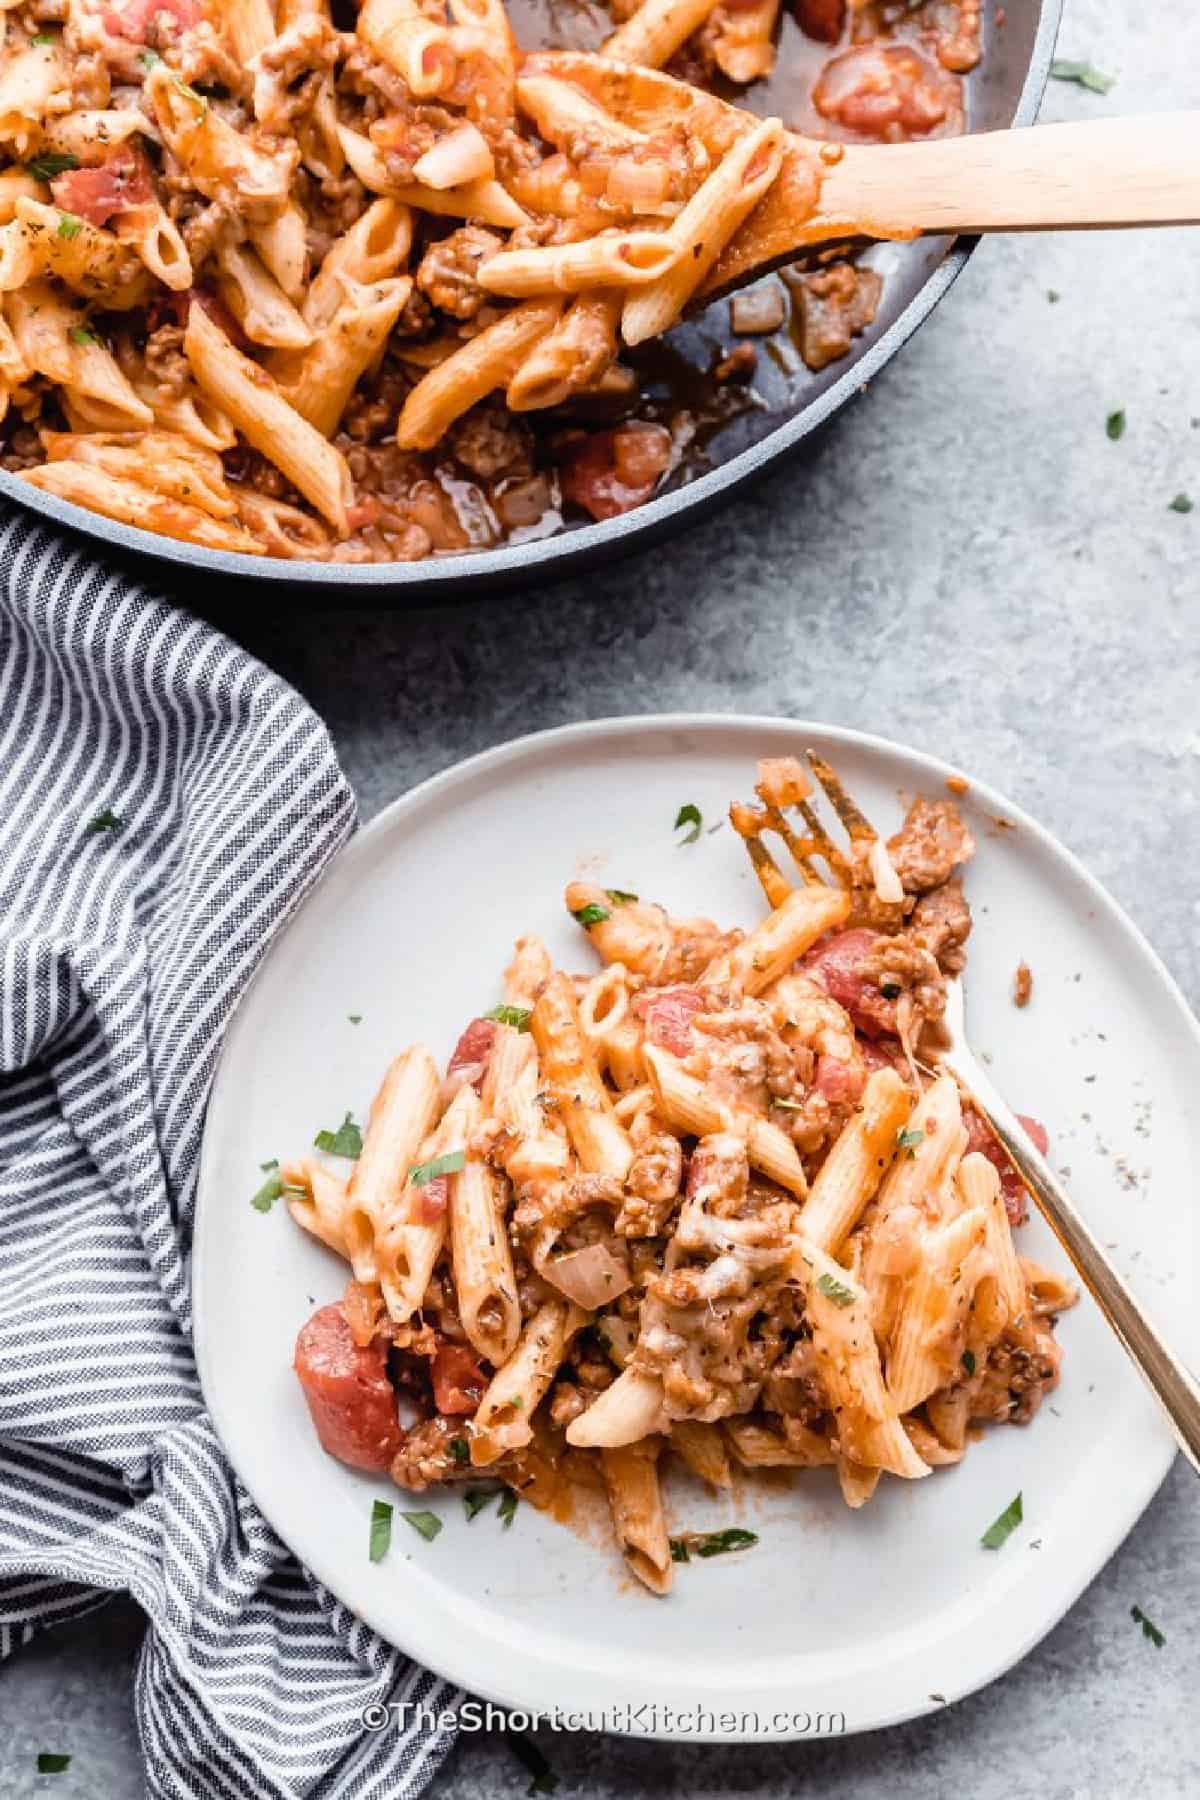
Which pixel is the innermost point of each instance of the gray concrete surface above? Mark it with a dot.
(966, 562)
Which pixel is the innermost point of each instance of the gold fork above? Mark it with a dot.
(1169, 1380)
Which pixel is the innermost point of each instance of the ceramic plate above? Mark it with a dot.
(869, 1615)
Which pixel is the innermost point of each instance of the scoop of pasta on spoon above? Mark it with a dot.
(781, 193)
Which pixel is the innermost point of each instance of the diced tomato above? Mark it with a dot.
(882, 1055)
(885, 90)
(839, 1081)
(980, 1137)
(429, 1206)
(119, 184)
(821, 19)
(178, 306)
(834, 962)
(470, 1055)
(611, 472)
(132, 19)
(458, 1380)
(668, 1014)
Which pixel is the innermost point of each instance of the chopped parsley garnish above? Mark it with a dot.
(449, 1164)
(69, 226)
(619, 897)
(426, 1523)
(149, 59)
(712, 1543)
(689, 815)
(1002, 1528)
(908, 1140)
(345, 1141)
(508, 1507)
(968, 1361)
(43, 40)
(544, 1780)
(592, 915)
(355, 1018)
(381, 1529)
(1149, 1628)
(107, 820)
(79, 334)
(1084, 75)
(516, 1016)
(1115, 424)
(475, 1499)
(52, 1762)
(460, 1450)
(272, 1188)
(835, 1290)
(49, 163)
(1183, 503)
(1053, 296)
(189, 93)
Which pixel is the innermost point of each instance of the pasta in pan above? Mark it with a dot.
(401, 269)
(715, 1205)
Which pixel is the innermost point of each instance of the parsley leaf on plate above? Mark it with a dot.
(689, 815)
(426, 1523)
(1001, 1529)
(1149, 1628)
(381, 1529)
(1083, 74)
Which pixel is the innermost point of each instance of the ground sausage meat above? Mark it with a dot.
(834, 305)
(447, 270)
(349, 1395)
(930, 845)
(490, 442)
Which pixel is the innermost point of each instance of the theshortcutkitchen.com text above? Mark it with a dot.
(698, 1721)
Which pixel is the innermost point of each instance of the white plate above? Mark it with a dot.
(865, 1614)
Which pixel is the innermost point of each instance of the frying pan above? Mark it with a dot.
(1006, 90)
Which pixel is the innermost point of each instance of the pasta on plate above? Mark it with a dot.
(298, 278)
(712, 1201)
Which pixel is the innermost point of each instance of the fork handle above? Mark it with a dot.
(1174, 1386)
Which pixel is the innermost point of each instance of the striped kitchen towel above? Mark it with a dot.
(165, 803)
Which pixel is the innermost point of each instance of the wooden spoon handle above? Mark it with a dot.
(1101, 172)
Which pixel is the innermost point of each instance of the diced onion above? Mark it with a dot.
(591, 1277)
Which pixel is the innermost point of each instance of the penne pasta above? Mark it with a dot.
(929, 1334)
(635, 1505)
(484, 200)
(687, 1105)
(857, 1163)
(375, 247)
(482, 1261)
(258, 303)
(402, 1114)
(479, 366)
(569, 1071)
(319, 383)
(504, 1421)
(617, 259)
(131, 503)
(794, 927)
(658, 28)
(263, 416)
(630, 1409)
(702, 230)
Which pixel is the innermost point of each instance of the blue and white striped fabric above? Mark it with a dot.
(122, 951)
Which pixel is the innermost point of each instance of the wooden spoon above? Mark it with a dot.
(1099, 173)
